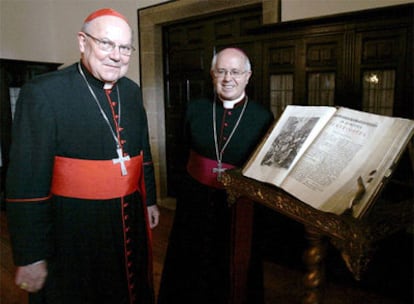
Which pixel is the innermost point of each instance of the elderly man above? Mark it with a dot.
(221, 133)
(80, 187)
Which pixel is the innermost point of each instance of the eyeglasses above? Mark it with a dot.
(108, 45)
(221, 73)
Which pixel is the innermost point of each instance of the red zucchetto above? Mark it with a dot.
(105, 12)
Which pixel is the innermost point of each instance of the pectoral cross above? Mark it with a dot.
(219, 170)
(121, 160)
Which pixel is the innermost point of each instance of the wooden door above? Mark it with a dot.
(185, 78)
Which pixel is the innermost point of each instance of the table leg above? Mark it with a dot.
(313, 258)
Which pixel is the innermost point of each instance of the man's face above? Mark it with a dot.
(107, 66)
(230, 77)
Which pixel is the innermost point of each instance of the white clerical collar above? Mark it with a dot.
(108, 86)
(229, 104)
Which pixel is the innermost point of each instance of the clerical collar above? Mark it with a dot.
(229, 104)
(94, 81)
(108, 86)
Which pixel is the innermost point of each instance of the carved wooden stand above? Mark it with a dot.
(356, 239)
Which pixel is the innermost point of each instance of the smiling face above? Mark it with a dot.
(107, 66)
(230, 74)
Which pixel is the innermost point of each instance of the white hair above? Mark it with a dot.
(247, 65)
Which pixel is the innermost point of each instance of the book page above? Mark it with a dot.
(280, 150)
(353, 144)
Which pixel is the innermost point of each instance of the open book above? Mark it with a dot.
(333, 159)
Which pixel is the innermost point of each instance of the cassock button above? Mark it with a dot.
(229, 113)
(113, 103)
(226, 124)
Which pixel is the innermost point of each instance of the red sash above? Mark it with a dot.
(201, 169)
(96, 179)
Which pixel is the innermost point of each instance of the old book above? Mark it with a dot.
(333, 159)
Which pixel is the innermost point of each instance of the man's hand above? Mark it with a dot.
(153, 216)
(31, 277)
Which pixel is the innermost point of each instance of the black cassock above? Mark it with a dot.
(199, 267)
(97, 249)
